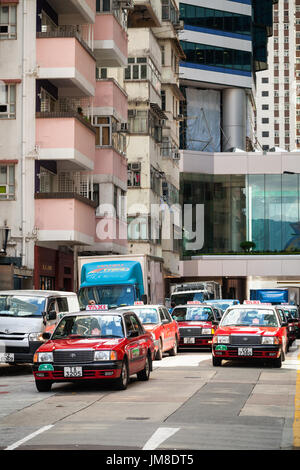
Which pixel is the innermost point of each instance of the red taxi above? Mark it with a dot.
(94, 345)
(250, 332)
(196, 323)
(164, 329)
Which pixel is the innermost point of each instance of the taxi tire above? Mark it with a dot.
(145, 373)
(278, 362)
(159, 354)
(173, 351)
(43, 386)
(216, 361)
(123, 380)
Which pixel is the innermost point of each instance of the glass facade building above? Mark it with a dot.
(262, 208)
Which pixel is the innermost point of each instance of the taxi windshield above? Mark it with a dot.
(146, 315)
(249, 317)
(21, 306)
(193, 314)
(89, 326)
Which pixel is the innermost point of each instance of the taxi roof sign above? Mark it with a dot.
(97, 307)
(252, 302)
(138, 302)
(193, 302)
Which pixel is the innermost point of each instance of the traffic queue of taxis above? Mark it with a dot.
(115, 344)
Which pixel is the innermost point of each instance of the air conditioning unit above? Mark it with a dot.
(176, 156)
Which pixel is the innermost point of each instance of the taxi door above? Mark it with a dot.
(136, 344)
(166, 329)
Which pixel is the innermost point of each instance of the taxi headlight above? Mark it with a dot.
(44, 357)
(206, 331)
(269, 340)
(105, 356)
(222, 339)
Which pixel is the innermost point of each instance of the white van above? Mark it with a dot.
(25, 315)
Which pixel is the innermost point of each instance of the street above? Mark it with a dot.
(186, 405)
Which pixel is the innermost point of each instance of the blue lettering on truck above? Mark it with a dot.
(273, 296)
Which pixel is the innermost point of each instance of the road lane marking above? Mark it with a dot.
(160, 435)
(30, 436)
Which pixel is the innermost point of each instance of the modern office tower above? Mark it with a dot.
(277, 96)
(62, 154)
(152, 86)
(241, 193)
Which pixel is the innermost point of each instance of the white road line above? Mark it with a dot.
(160, 435)
(30, 436)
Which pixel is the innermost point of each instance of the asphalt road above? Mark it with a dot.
(186, 405)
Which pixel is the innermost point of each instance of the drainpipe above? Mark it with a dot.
(23, 123)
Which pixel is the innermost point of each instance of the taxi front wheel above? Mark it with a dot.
(216, 361)
(43, 386)
(123, 380)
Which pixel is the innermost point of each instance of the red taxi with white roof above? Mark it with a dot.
(196, 323)
(164, 329)
(94, 345)
(250, 331)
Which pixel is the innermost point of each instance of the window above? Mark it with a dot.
(48, 103)
(103, 130)
(7, 101)
(101, 73)
(265, 80)
(134, 175)
(264, 93)
(8, 22)
(265, 107)
(265, 134)
(103, 6)
(142, 68)
(265, 120)
(7, 182)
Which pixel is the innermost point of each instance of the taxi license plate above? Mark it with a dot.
(245, 351)
(7, 357)
(72, 371)
(189, 340)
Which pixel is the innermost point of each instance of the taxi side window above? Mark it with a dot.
(167, 315)
(128, 324)
(217, 314)
(136, 324)
(161, 315)
(62, 303)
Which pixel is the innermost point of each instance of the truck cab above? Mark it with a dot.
(111, 283)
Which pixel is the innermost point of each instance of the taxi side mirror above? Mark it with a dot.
(46, 335)
(133, 334)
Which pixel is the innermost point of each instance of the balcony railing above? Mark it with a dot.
(80, 32)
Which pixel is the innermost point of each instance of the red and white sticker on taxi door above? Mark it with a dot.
(97, 307)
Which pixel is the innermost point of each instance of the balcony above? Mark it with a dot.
(64, 59)
(110, 163)
(110, 41)
(64, 135)
(110, 100)
(80, 11)
(66, 218)
(146, 14)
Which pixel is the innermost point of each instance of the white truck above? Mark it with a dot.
(191, 291)
(120, 280)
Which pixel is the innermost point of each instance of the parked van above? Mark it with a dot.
(25, 315)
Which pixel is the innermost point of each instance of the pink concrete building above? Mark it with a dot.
(64, 121)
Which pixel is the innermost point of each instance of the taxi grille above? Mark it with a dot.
(73, 356)
(190, 332)
(243, 340)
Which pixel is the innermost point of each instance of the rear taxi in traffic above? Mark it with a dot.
(197, 322)
(164, 329)
(250, 332)
(94, 345)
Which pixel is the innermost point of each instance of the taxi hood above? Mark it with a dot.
(248, 330)
(80, 343)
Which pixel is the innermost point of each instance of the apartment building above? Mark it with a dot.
(277, 97)
(62, 153)
(242, 193)
(152, 86)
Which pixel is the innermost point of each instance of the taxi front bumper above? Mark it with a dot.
(246, 352)
(67, 372)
